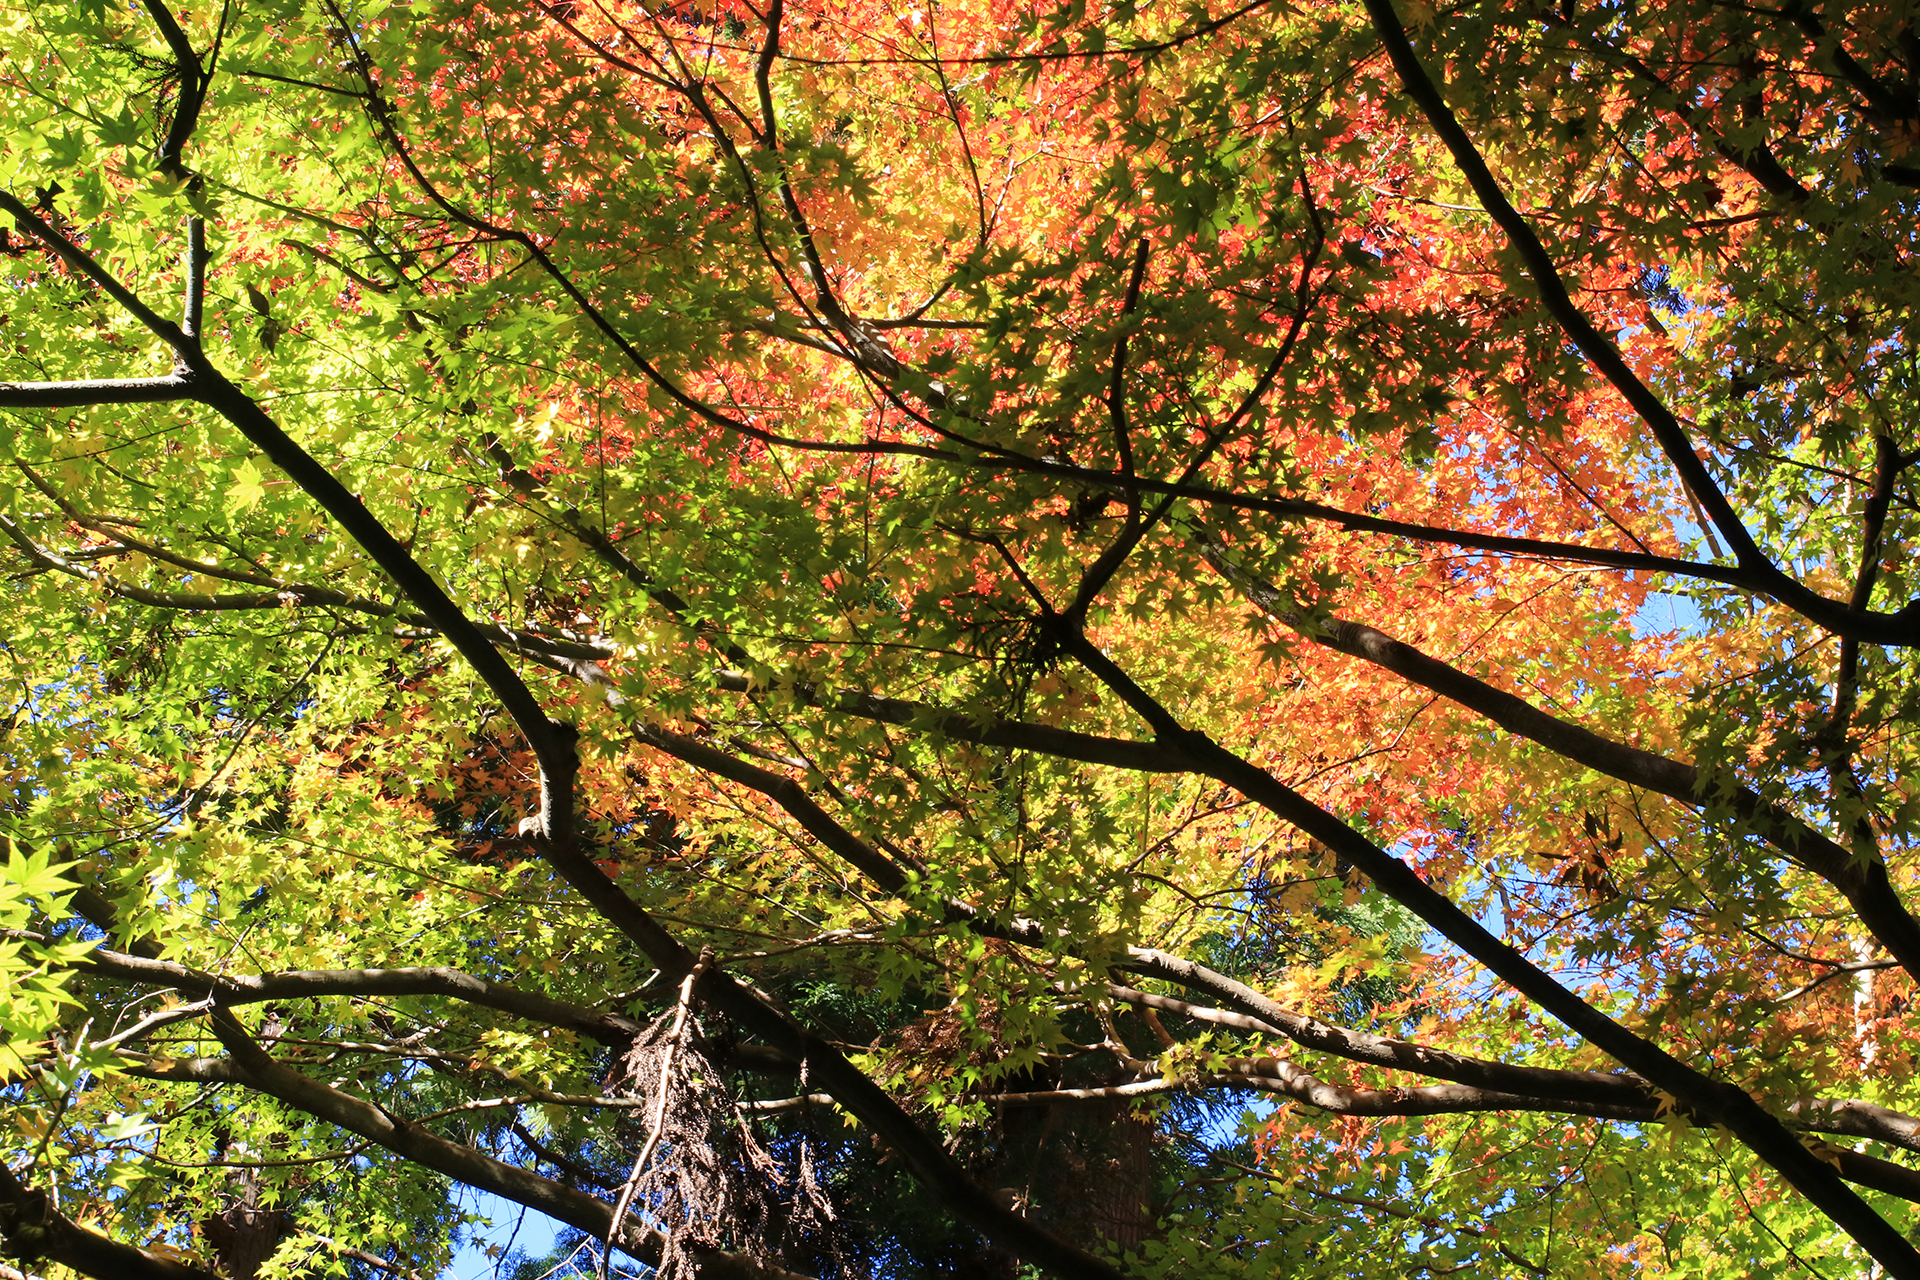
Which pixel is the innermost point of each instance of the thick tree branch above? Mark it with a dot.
(83, 262)
(1856, 1119)
(253, 1067)
(1873, 526)
(193, 304)
(1756, 575)
(212, 388)
(1707, 1100)
(1864, 881)
(77, 395)
(1888, 101)
(978, 728)
(1279, 1077)
(1575, 1092)
(1426, 92)
(612, 1029)
(1757, 159)
(573, 860)
(192, 80)
(1582, 1088)
(33, 1229)
(1901, 628)
(1589, 1093)
(1760, 576)
(1872, 1171)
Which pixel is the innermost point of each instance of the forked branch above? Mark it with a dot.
(1707, 1100)
(553, 744)
(1427, 93)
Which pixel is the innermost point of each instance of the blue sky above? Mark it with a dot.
(512, 1228)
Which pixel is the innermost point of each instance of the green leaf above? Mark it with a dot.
(247, 489)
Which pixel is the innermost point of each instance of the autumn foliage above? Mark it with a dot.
(904, 640)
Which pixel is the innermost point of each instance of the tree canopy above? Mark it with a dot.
(829, 638)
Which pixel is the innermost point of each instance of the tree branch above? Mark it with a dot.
(978, 728)
(1578, 1088)
(1580, 1092)
(1575, 1092)
(1707, 1100)
(1426, 92)
(553, 745)
(1758, 160)
(83, 262)
(1864, 882)
(253, 1067)
(1279, 1076)
(1674, 442)
(1590, 1093)
(280, 595)
(34, 1229)
(1873, 527)
(193, 305)
(612, 1029)
(194, 82)
(76, 395)
(1888, 102)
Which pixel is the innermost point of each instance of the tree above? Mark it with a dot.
(675, 574)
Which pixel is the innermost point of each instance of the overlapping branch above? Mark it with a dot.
(558, 843)
(1577, 1092)
(1706, 1100)
(1581, 1092)
(274, 594)
(1862, 880)
(1427, 93)
(235, 990)
(1756, 158)
(250, 1065)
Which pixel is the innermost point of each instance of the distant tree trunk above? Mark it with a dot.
(1119, 1179)
(244, 1236)
(1084, 1170)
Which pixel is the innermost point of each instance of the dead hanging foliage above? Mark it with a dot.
(942, 1041)
(703, 1180)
